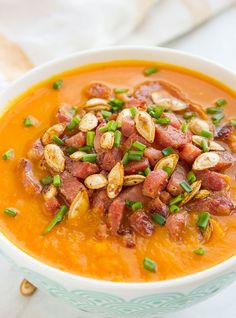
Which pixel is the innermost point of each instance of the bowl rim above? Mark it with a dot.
(8, 245)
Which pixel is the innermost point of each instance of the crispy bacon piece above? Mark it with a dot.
(153, 155)
(98, 90)
(115, 214)
(176, 224)
(157, 206)
(141, 223)
(64, 113)
(189, 153)
(226, 160)
(101, 201)
(169, 136)
(134, 137)
(134, 194)
(30, 182)
(108, 158)
(173, 119)
(144, 91)
(70, 186)
(128, 127)
(52, 204)
(78, 140)
(225, 132)
(80, 169)
(212, 180)
(178, 176)
(154, 183)
(134, 167)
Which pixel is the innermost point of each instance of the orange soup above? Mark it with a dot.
(121, 171)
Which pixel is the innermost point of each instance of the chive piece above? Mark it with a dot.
(168, 170)
(204, 145)
(158, 219)
(191, 177)
(233, 122)
(177, 199)
(112, 125)
(125, 159)
(117, 138)
(134, 157)
(221, 102)
(46, 180)
(158, 111)
(57, 218)
(167, 151)
(57, 181)
(206, 134)
(8, 154)
(137, 205)
(174, 208)
(141, 173)
(136, 152)
(147, 171)
(120, 90)
(149, 265)
(58, 140)
(28, 122)
(200, 251)
(10, 212)
(203, 219)
(213, 110)
(73, 111)
(189, 115)
(150, 70)
(129, 203)
(139, 145)
(91, 157)
(116, 104)
(104, 128)
(216, 119)
(105, 114)
(70, 150)
(184, 127)
(133, 111)
(90, 138)
(151, 111)
(57, 84)
(85, 148)
(163, 121)
(186, 186)
(73, 123)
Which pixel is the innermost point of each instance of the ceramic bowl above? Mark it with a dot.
(111, 299)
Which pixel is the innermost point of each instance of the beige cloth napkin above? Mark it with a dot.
(32, 32)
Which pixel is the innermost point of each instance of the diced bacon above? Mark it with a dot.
(157, 206)
(81, 169)
(176, 224)
(134, 194)
(64, 113)
(134, 167)
(154, 183)
(212, 180)
(107, 159)
(134, 137)
(189, 153)
(144, 91)
(135, 102)
(35, 153)
(129, 239)
(173, 119)
(101, 201)
(78, 140)
(141, 223)
(168, 136)
(165, 197)
(153, 155)
(178, 176)
(52, 204)
(30, 182)
(98, 90)
(70, 186)
(115, 214)
(226, 160)
(128, 127)
(225, 132)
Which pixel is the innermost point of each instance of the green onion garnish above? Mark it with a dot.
(117, 138)
(104, 128)
(120, 90)
(112, 125)
(174, 208)
(74, 122)
(91, 157)
(85, 148)
(158, 111)
(233, 122)
(167, 151)
(151, 111)
(191, 177)
(134, 157)
(150, 70)
(168, 170)
(177, 199)
(57, 218)
(58, 140)
(116, 104)
(129, 203)
(141, 173)
(125, 159)
(207, 134)
(189, 115)
(10, 212)
(57, 181)
(216, 119)
(213, 110)
(186, 186)
(147, 171)
(57, 84)
(139, 145)
(137, 205)
(70, 150)
(90, 138)
(46, 180)
(163, 121)
(8, 154)
(149, 265)
(133, 111)
(221, 102)
(200, 251)
(203, 220)
(184, 127)
(136, 152)
(28, 122)
(73, 111)
(158, 219)
(204, 145)
(105, 114)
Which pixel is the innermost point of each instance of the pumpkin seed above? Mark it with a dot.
(54, 157)
(26, 288)
(124, 113)
(189, 196)
(79, 205)
(55, 130)
(202, 194)
(197, 125)
(115, 180)
(98, 107)
(107, 140)
(207, 233)
(206, 160)
(156, 96)
(88, 122)
(145, 126)
(170, 103)
(198, 140)
(168, 162)
(133, 179)
(96, 101)
(214, 146)
(95, 181)
(78, 155)
(50, 192)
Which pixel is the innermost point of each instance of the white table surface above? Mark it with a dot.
(216, 40)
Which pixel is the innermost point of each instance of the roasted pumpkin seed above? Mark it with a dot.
(80, 205)
(123, 114)
(50, 192)
(55, 130)
(88, 122)
(207, 233)
(189, 196)
(78, 155)
(215, 146)
(168, 162)
(197, 125)
(169, 103)
(95, 181)
(206, 160)
(26, 288)
(145, 126)
(133, 179)
(115, 180)
(96, 101)
(202, 194)
(107, 140)
(54, 157)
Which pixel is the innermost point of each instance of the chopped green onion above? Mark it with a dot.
(204, 145)
(136, 152)
(58, 140)
(147, 171)
(203, 220)
(167, 151)
(121, 90)
(191, 177)
(133, 111)
(174, 208)
(149, 265)
(57, 218)
(135, 157)
(57, 181)
(85, 148)
(158, 111)
(91, 157)
(125, 159)
(90, 138)
(177, 199)
(46, 180)
(28, 122)
(184, 127)
(141, 173)
(137, 205)
(207, 134)
(129, 203)
(189, 115)
(139, 145)
(186, 186)
(216, 119)
(221, 102)
(168, 170)
(8, 154)
(74, 122)
(163, 121)
(105, 114)
(70, 150)
(151, 111)
(112, 125)
(150, 70)
(57, 84)
(73, 111)
(233, 122)
(158, 219)
(104, 128)
(117, 138)
(213, 110)
(116, 104)
(200, 251)
(10, 212)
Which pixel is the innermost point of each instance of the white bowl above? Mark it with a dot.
(111, 299)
